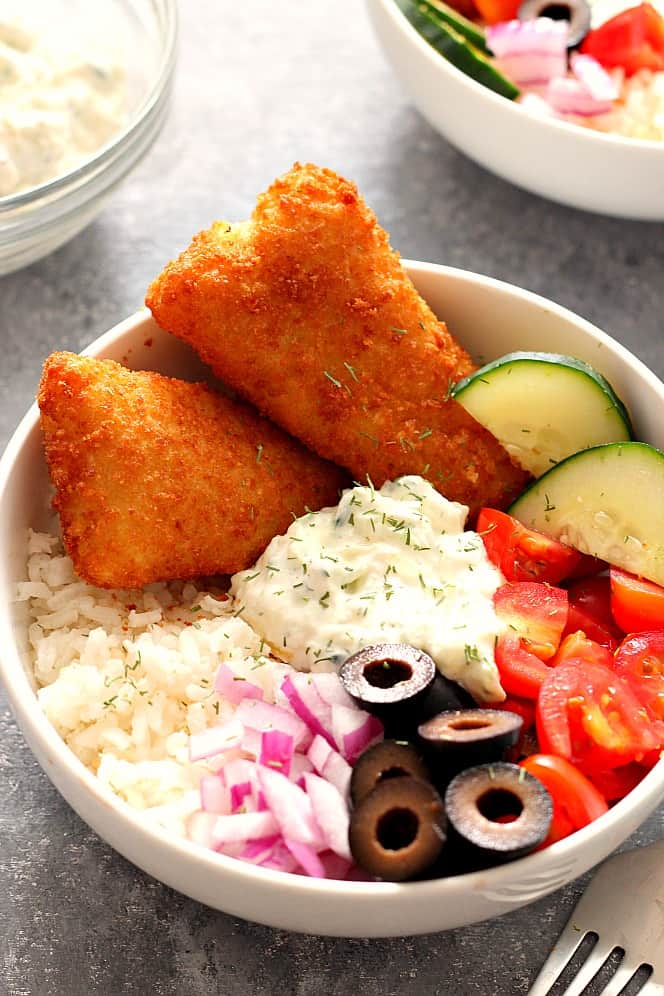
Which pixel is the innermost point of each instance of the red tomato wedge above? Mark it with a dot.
(633, 40)
(589, 715)
(521, 673)
(578, 648)
(590, 611)
(576, 801)
(640, 661)
(636, 604)
(494, 11)
(523, 554)
(615, 783)
(537, 613)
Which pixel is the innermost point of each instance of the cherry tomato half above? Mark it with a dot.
(589, 715)
(521, 673)
(590, 611)
(523, 554)
(615, 783)
(633, 40)
(535, 612)
(576, 801)
(636, 604)
(640, 661)
(578, 648)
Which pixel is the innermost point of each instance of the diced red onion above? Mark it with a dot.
(239, 769)
(238, 793)
(594, 77)
(280, 859)
(329, 687)
(276, 750)
(215, 739)
(354, 731)
(258, 848)
(331, 765)
(214, 794)
(532, 68)
(199, 827)
(532, 51)
(335, 867)
(300, 764)
(258, 715)
(330, 812)
(570, 96)
(307, 857)
(307, 703)
(290, 806)
(251, 742)
(240, 827)
(233, 687)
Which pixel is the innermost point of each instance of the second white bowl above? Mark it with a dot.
(564, 162)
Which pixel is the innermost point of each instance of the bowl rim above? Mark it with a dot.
(97, 161)
(22, 698)
(438, 62)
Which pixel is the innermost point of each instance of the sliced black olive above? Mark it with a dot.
(398, 830)
(445, 694)
(390, 680)
(386, 759)
(470, 736)
(577, 12)
(498, 812)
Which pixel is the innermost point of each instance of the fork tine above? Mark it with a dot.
(563, 950)
(622, 976)
(589, 969)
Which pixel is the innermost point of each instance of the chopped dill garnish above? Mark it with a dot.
(333, 380)
(425, 433)
(259, 453)
(351, 371)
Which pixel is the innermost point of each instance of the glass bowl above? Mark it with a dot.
(36, 221)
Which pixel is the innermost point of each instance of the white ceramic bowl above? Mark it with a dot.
(490, 318)
(561, 161)
(37, 221)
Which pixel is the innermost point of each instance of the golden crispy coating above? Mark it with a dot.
(307, 312)
(157, 479)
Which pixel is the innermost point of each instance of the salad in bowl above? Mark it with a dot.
(390, 695)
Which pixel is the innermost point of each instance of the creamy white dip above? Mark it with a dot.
(393, 565)
(58, 105)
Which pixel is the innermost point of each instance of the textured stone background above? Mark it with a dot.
(259, 85)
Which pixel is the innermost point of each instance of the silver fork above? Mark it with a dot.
(624, 907)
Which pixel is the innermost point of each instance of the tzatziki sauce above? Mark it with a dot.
(58, 104)
(385, 566)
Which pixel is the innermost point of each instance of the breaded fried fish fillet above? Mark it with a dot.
(307, 312)
(158, 479)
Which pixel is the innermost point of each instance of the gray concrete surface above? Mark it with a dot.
(260, 85)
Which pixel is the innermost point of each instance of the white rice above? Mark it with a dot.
(126, 676)
(639, 111)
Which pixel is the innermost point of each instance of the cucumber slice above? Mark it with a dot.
(458, 50)
(543, 407)
(470, 31)
(607, 501)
